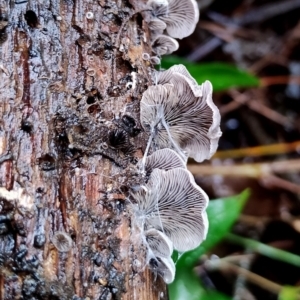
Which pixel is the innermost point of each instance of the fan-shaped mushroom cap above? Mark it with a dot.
(175, 205)
(165, 159)
(155, 60)
(175, 74)
(159, 243)
(166, 269)
(183, 16)
(181, 117)
(164, 44)
(180, 16)
(157, 26)
(159, 7)
(62, 241)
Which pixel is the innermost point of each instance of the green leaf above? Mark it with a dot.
(187, 286)
(222, 214)
(289, 293)
(222, 76)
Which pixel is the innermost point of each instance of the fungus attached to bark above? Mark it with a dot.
(164, 159)
(164, 267)
(172, 203)
(155, 60)
(159, 244)
(163, 45)
(180, 16)
(181, 115)
(62, 241)
(157, 26)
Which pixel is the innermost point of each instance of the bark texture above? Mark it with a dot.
(71, 78)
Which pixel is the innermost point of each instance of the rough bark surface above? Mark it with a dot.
(71, 78)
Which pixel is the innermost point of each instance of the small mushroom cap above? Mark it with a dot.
(163, 45)
(62, 241)
(165, 159)
(166, 269)
(175, 74)
(159, 7)
(155, 60)
(182, 19)
(175, 205)
(180, 16)
(182, 113)
(159, 243)
(157, 26)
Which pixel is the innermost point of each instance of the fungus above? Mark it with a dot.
(146, 56)
(172, 203)
(163, 45)
(165, 159)
(180, 16)
(178, 73)
(159, 244)
(62, 241)
(181, 115)
(155, 60)
(157, 26)
(164, 267)
(89, 15)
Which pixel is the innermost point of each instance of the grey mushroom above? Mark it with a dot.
(164, 159)
(159, 244)
(172, 203)
(180, 16)
(62, 241)
(163, 45)
(181, 115)
(166, 269)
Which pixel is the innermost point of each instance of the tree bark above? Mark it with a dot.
(72, 76)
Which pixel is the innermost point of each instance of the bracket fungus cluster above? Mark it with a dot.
(182, 121)
(170, 19)
(170, 209)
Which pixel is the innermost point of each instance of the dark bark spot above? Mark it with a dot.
(26, 126)
(94, 110)
(47, 162)
(97, 259)
(90, 100)
(3, 35)
(128, 121)
(31, 19)
(39, 240)
(129, 125)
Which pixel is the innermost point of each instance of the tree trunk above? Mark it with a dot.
(72, 76)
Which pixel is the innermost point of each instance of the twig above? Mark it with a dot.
(256, 170)
(274, 149)
(276, 80)
(265, 250)
(260, 108)
(250, 276)
(204, 49)
(272, 181)
(253, 16)
(267, 11)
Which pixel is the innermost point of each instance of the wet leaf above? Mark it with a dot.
(187, 286)
(222, 214)
(289, 293)
(222, 76)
